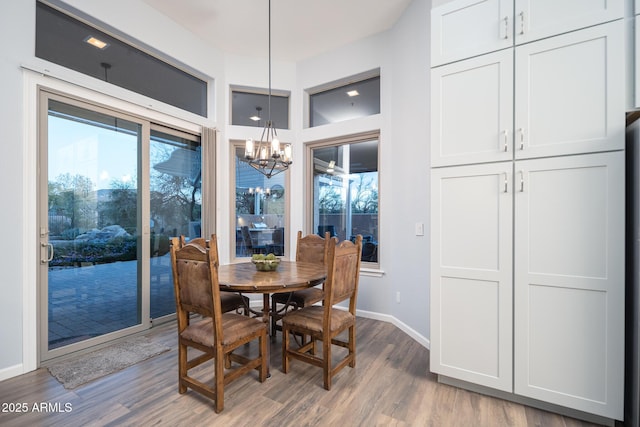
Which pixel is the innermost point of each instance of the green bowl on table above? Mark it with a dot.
(265, 262)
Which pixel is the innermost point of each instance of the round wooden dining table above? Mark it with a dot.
(289, 276)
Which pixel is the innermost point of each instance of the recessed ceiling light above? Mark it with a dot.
(353, 93)
(96, 42)
(254, 118)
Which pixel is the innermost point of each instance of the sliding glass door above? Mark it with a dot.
(113, 190)
(175, 206)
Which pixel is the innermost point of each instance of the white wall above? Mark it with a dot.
(410, 158)
(16, 25)
(401, 54)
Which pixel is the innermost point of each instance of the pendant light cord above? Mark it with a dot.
(269, 100)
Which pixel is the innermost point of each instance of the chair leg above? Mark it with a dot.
(182, 367)
(285, 348)
(326, 362)
(264, 357)
(274, 313)
(219, 386)
(352, 346)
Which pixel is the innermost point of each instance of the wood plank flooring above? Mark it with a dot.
(390, 386)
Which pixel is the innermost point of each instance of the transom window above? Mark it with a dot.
(250, 107)
(343, 101)
(66, 41)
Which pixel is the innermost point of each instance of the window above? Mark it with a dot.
(65, 41)
(261, 204)
(344, 102)
(251, 108)
(344, 188)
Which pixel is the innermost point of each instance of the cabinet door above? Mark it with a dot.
(465, 28)
(472, 110)
(569, 93)
(537, 19)
(471, 268)
(569, 282)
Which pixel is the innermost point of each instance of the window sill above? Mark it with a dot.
(371, 272)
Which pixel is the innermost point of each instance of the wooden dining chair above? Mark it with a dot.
(216, 334)
(229, 301)
(324, 323)
(311, 248)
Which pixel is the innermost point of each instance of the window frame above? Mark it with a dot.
(240, 144)
(309, 183)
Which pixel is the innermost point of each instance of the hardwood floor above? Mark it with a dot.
(390, 386)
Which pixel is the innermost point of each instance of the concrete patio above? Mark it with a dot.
(93, 300)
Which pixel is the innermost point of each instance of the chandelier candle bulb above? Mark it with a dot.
(287, 153)
(275, 148)
(248, 150)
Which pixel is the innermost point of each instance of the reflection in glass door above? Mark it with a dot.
(176, 206)
(90, 217)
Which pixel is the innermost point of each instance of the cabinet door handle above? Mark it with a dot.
(522, 181)
(506, 183)
(521, 22)
(506, 27)
(506, 140)
(521, 131)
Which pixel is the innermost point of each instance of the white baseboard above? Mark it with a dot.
(11, 371)
(423, 341)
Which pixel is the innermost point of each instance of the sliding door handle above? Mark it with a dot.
(49, 248)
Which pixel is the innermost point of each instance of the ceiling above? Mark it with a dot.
(299, 28)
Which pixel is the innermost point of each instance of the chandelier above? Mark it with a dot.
(268, 156)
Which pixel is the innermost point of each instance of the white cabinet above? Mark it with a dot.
(569, 98)
(570, 93)
(537, 19)
(569, 282)
(465, 28)
(527, 199)
(472, 110)
(471, 273)
(559, 224)
(462, 29)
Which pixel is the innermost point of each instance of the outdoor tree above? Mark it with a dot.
(73, 198)
(364, 195)
(330, 199)
(121, 207)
